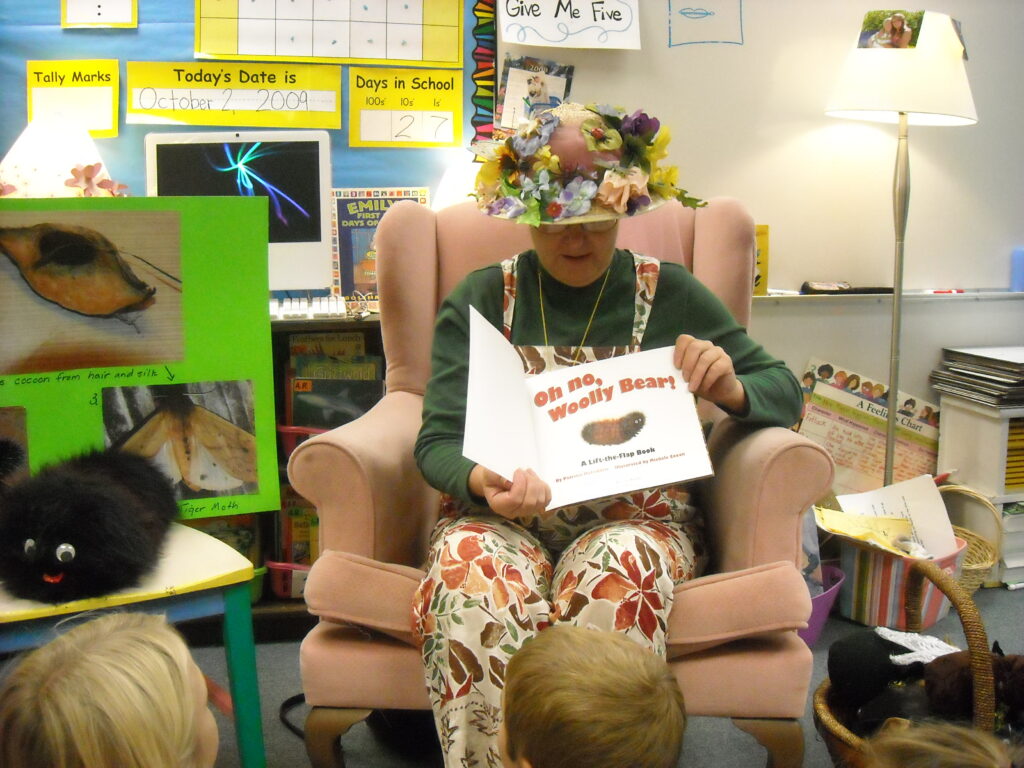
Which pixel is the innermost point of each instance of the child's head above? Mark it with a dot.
(937, 745)
(120, 691)
(583, 697)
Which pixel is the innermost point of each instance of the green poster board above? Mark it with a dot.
(141, 324)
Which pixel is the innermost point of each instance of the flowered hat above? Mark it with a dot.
(573, 164)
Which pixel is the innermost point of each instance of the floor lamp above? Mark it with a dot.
(922, 85)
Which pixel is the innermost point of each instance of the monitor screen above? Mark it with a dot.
(286, 167)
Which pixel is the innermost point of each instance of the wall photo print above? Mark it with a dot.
(200, 434)
(182, 375)
(83, 289)
(897, 28)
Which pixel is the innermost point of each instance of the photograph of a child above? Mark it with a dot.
(527, 84)
(890, 29)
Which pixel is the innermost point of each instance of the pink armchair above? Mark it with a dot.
(732, 634)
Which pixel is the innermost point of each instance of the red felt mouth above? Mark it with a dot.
(53, 579)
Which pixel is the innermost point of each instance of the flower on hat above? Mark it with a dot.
(507, 207)
(600, 136)
(534, 134)
(543, 160)
(619, 186)
(663, 181)
(536, 189)
(642, 125)
(523, 178)
(575, 198)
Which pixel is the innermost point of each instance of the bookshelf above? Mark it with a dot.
(276, 618)
(982, 445)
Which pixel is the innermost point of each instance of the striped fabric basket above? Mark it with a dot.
(874, 592)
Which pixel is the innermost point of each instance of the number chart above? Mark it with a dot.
(405, 107)
(421, 32)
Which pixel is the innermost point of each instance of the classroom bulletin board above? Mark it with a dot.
(181, 342)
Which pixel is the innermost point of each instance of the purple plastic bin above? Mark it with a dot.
(821, 605)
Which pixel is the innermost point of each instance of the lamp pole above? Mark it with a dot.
(900, 206)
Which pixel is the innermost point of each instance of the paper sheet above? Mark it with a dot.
(917, 500)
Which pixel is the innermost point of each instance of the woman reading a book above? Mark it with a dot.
(501, 565)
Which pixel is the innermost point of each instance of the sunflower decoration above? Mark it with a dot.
(576, 163)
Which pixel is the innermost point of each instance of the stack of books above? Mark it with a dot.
(330, 379)
(992, 376)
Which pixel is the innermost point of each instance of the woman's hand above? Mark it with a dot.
(708, 371)
(526, 495)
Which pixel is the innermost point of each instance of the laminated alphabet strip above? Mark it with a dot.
(80, 91)
(405, 107)
(252, 94)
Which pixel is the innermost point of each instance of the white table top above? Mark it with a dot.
(192, 561)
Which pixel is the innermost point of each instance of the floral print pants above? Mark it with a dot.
(491, 585)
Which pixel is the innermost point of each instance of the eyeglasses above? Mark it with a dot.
(604, 225)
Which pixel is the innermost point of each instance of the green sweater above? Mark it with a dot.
(682, 304)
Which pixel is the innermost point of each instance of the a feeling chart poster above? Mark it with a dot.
(141, 324)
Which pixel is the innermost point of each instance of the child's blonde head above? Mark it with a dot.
(114, 692)
(937, 745)
(587, 698)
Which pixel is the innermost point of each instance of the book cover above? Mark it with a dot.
(334, 343)
(760, 259)
(356, 214)
(328, 403)
(358, 367)
(299, 529)
(589, 431)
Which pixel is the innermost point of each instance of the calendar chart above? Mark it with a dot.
(423, 32)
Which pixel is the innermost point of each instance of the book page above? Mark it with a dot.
(588, 431)
(499, 425)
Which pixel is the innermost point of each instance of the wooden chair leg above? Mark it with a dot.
(784, 740)
(324, 728)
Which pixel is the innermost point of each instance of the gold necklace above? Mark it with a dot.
(590, 322)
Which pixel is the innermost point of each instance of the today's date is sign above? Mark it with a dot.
(253, 94)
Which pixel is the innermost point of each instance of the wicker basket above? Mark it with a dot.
(846, 748)
(981, 553)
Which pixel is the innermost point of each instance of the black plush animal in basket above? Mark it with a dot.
(83, 527)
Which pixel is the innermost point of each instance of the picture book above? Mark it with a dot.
(334, 343)
(298, 535)
(328, 403)
(356, 213)
(360, 367)
(589, 431)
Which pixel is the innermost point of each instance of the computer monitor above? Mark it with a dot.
(291, 169)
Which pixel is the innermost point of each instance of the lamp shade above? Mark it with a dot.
(927, 82)
(54, 158)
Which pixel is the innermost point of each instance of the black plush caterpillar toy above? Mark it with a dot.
(83, 527)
